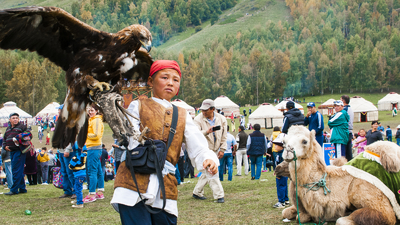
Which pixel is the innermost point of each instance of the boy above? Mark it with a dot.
(281, 182)
(156, 114)
(77, 165)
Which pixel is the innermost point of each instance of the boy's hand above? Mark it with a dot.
(220, 155)
(210, 166)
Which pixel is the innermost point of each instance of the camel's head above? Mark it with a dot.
(300, 140)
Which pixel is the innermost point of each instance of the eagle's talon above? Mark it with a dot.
(101, 85)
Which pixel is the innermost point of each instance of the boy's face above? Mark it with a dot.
(165, 84)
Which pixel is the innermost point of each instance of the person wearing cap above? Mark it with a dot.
(349, 146)
(216, 139)
(15, 127)
(339, 123)
(315, 121)
(281, 181)
(156, 114)
(292, 117)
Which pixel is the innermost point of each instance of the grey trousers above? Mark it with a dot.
(45, 171)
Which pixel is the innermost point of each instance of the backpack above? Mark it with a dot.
(57, 177)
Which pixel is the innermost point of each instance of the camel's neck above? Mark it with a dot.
(309, 170)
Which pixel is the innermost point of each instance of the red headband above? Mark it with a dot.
(164, 64)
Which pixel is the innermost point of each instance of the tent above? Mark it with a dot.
(327, 108)
(227, 106)
(364, 111)
(184, 105)
(11, 107)
(267, 116)
(388, 102)
(282, 106)
(50, 110)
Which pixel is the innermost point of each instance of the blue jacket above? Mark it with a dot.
(388, 132)
(315, 122)
(257, 144)
(78, 164)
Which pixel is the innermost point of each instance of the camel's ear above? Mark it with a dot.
(390, 160)
(312, 135)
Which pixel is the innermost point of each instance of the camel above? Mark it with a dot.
(366, 203)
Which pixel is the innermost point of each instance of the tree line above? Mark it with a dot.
(331, 46)
(163, 18)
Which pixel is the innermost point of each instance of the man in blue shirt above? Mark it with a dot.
(315, 121)
(389, 133)
(228, 157)
(256, 148)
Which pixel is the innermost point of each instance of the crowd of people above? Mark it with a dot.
(204, 143)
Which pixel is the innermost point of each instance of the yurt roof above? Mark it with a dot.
(183, 104)
(11, 107)
(282, 105)
(326, 104)
(224, 102)
(50, 109)
(266, 110)
(359, 104)
(392, 97)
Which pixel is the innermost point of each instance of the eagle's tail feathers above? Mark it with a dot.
(82, 135)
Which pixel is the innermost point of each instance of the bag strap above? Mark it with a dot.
(158, 169)
(173, 125)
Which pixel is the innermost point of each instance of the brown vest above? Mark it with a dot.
(158, 119)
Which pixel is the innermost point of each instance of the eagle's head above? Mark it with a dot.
(137, 33)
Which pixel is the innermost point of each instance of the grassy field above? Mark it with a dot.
(247, 202)
(246, 14)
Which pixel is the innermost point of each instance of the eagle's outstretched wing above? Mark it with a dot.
(50, 31)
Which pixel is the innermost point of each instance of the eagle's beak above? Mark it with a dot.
(147, 45)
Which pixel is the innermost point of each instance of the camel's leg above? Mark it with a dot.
(304, 217)
(345, 221)
(290, 213)
(372, 204)
(364, 216)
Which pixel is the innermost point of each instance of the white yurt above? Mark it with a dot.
(327, 108)
(227, 106)
(267, 116)
(388, 102)
(11, 107)
(50, 110)
(364, 111)
(282, 106)
(184, 105)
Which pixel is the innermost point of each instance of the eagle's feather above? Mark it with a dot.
(90, 57)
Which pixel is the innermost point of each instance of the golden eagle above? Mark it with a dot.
(93, 60)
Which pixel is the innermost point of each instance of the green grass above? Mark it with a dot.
(231, 19)
(259, 13)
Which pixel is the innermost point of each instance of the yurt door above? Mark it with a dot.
(394, 105)
(364, 117)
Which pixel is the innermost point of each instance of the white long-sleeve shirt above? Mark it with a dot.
(198, 151)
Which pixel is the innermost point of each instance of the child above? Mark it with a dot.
(281, 182)
(43, 159)
(48, 138)
(77, 165)
(109, 172)
(361, 141)
(164, 78)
